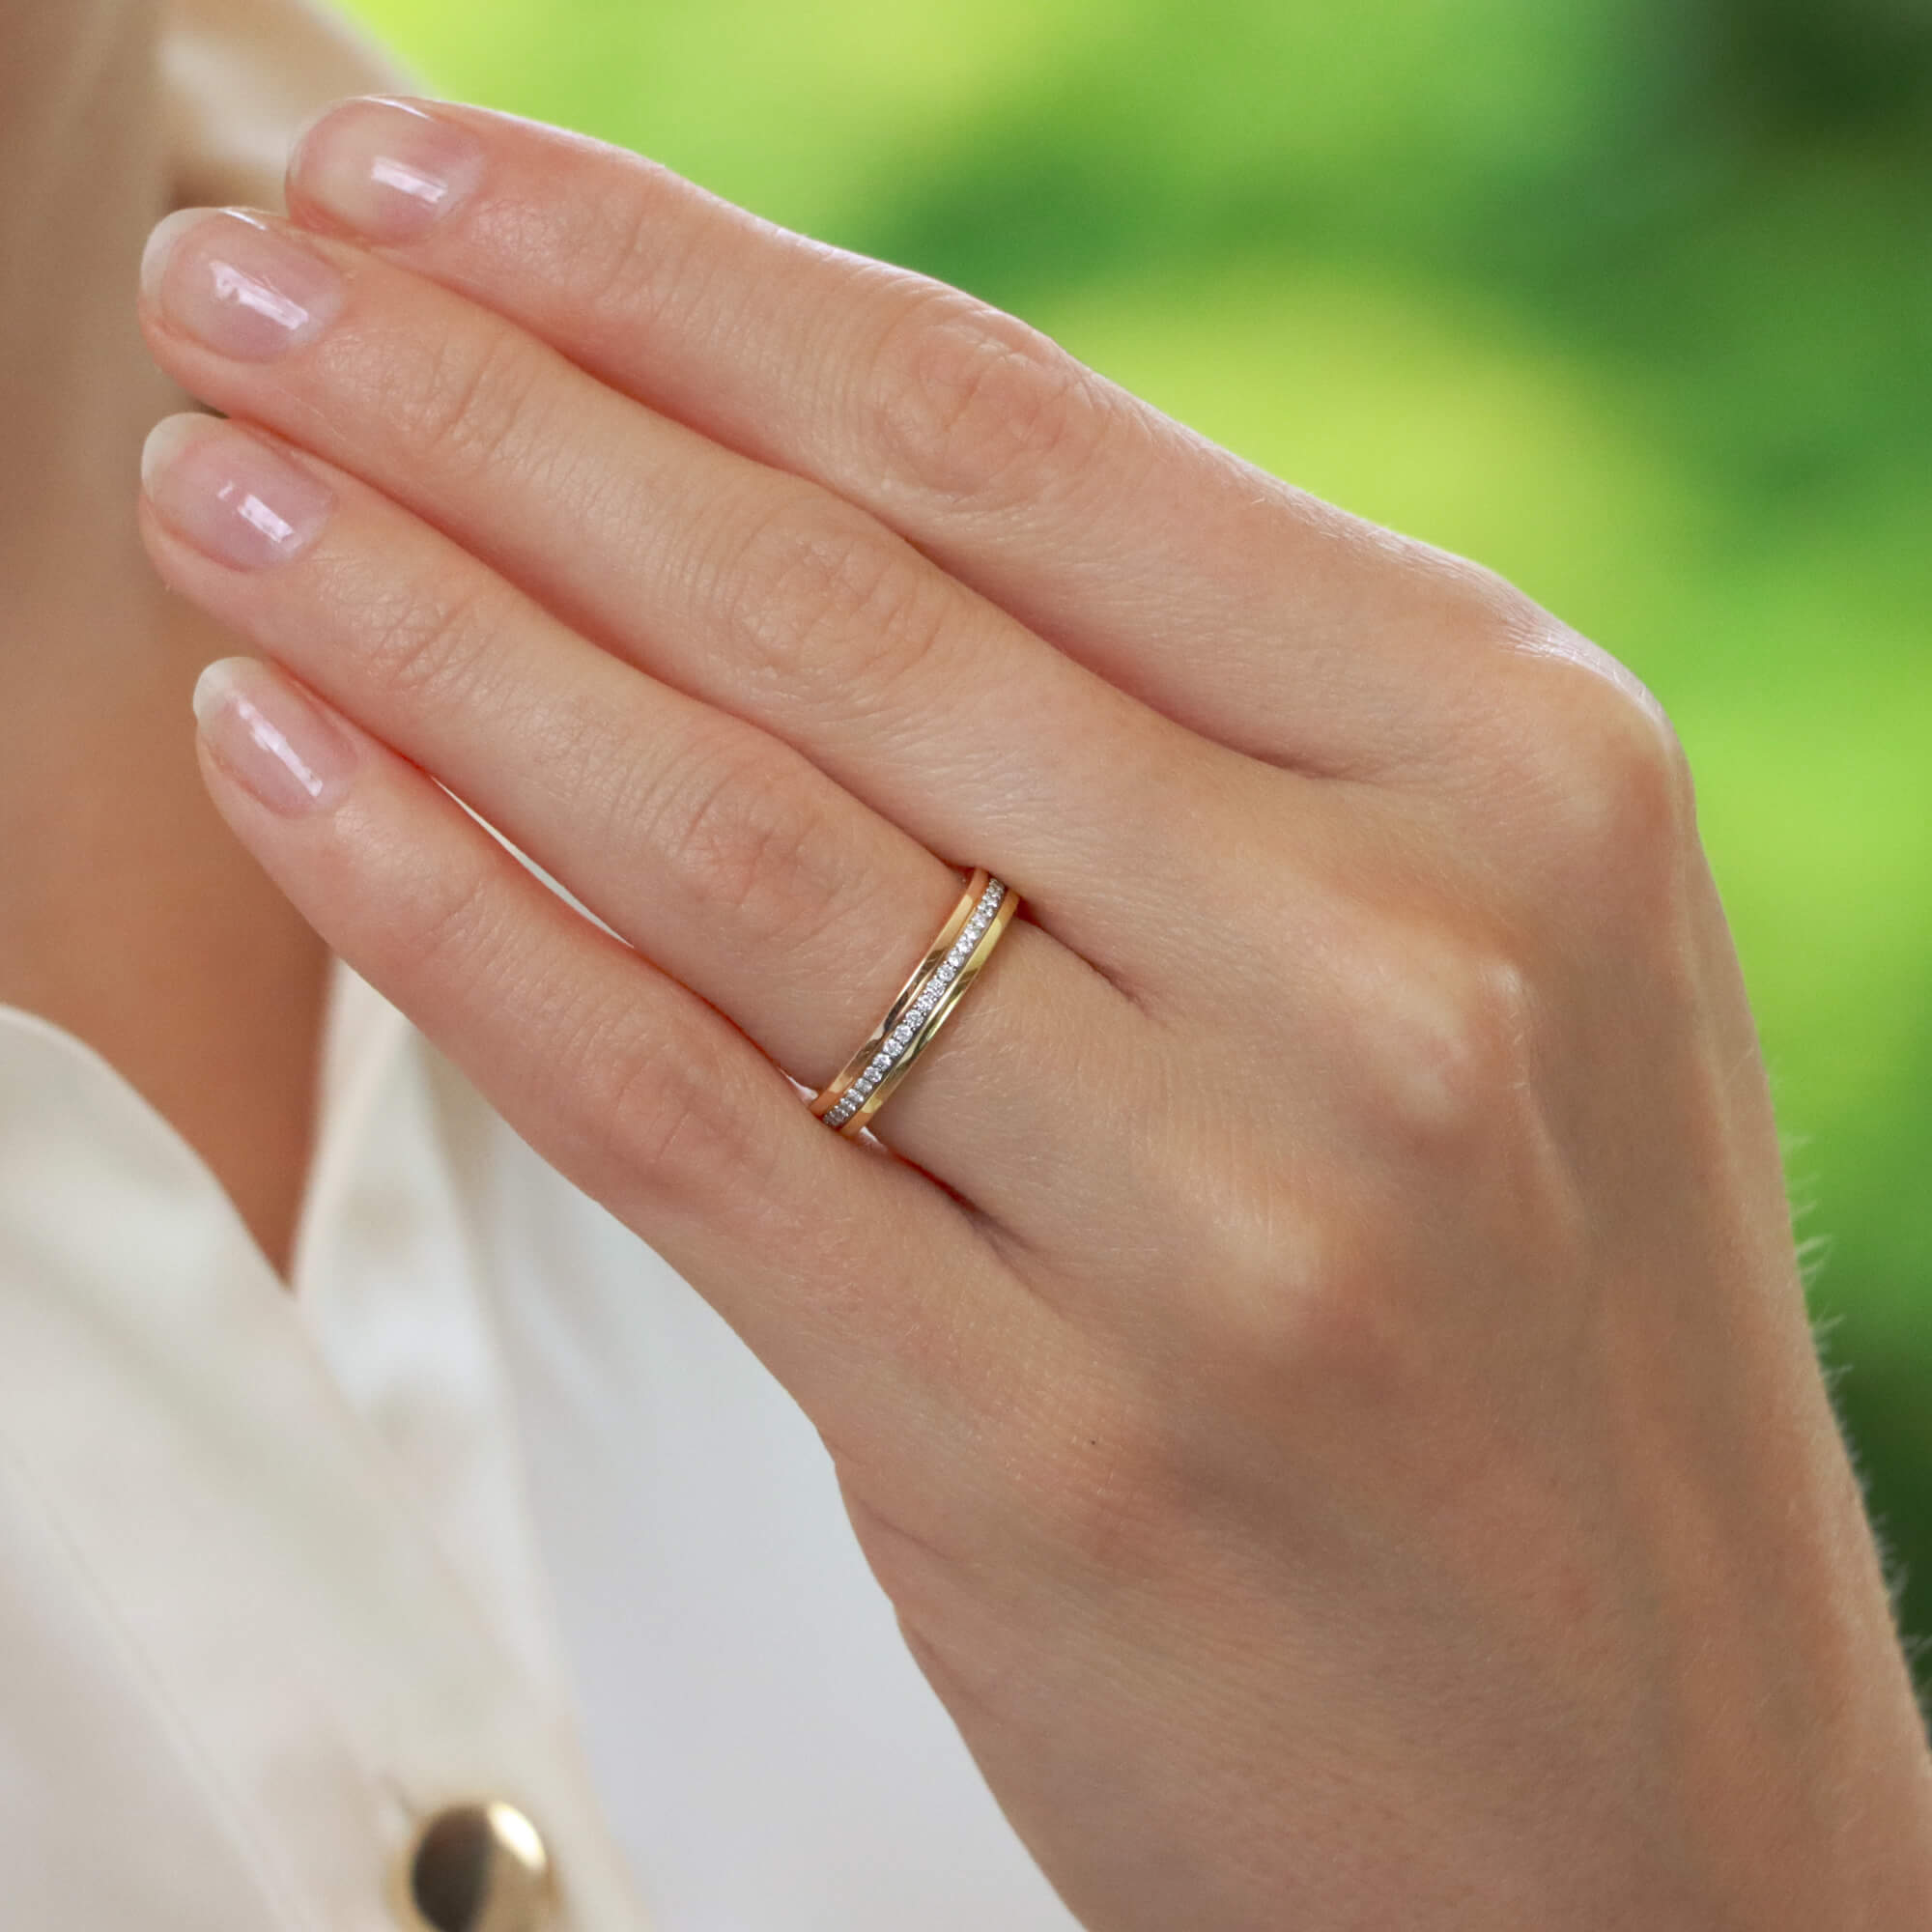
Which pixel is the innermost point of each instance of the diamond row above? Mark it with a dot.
(901, 1037)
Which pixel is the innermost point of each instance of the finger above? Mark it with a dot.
(863, 1288)
(1239, 606)
(722, 854)
(747, 588)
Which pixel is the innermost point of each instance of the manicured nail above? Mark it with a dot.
(229, 494)
(270, 739)
(236, 285)
(383, 168)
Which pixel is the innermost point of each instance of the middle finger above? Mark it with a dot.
(759, 591)
(722, 855)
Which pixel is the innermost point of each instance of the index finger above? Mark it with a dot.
(1241, 607)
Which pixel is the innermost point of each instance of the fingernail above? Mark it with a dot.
(236, 285)
(231, 495)
(384, 169)
(270, 739)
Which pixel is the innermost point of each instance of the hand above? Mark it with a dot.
(1313, 1353)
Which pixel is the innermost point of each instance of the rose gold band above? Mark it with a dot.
(954, 960)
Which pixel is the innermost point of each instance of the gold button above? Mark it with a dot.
(480, 1867)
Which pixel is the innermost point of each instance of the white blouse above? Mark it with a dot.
(490, 1506)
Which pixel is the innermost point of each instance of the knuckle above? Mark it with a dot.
(457, 931)
(1445, 1048)
(1630, 795)
(465, 402)
(624, 254)
(981, 411)
(738, 825)
(1611, 798)
(1341, 1339)
(422, 639)
(1341, 1332)
(664, 1105)
(827, 607)
(1298, 1291)
(597, 757)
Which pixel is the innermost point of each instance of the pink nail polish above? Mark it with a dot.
(231, 495)
(237, 285)
(383, 168)
(273, 741)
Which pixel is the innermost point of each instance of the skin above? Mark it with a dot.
(1314, 1353)
(1352, 1475)
(129, 915)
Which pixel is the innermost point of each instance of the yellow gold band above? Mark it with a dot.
(951, 963)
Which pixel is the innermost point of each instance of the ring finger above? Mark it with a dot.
(721, 853)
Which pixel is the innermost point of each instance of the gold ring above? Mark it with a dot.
(951, 963)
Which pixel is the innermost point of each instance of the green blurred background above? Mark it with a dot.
(1630, 298)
